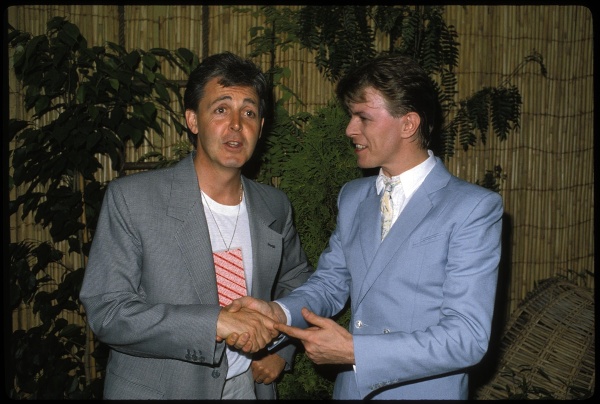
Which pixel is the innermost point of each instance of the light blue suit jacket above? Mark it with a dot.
(150, 292)
(422, 300)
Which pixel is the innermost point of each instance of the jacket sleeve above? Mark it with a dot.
(118, 307)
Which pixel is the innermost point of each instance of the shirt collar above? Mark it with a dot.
(411, 179)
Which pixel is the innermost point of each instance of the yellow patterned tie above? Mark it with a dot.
(387, 206)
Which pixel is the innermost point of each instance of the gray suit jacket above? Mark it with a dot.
(149, 289)
(422, 300)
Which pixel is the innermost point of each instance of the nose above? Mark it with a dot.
(236, 124)
(351, 129)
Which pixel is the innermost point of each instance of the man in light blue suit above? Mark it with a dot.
(421, 296)
(150, 287)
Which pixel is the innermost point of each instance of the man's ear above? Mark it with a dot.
(191, 119)
(410, 124)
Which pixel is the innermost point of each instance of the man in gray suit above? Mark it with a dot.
(165, 236)
(421, 292)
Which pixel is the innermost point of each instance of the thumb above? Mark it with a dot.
(233, 307)
(312, 318)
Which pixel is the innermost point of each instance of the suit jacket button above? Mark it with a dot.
(386, 331)
(216, 374)
(358, 324)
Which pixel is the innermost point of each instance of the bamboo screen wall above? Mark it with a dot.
(549, 187)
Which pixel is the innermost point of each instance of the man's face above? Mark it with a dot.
(376, 134)
(227, 123)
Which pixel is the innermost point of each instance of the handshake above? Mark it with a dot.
(250, 324)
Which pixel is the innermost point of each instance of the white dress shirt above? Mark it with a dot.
(410, 181)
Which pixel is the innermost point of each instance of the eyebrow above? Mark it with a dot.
(228, 97)
(359, 111)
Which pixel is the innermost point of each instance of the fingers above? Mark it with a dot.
(310, 318)
(235, 338)
(267, 368)
(242, 342)
(248, 347)
(290, 331)
(245, 329)
(251, 303)
(262, 326)
(303, 334)
(269, 309)
(247, 323)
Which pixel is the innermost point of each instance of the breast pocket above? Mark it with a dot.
(429, 239)
(432, 250)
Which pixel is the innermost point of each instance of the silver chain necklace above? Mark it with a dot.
(236, 218)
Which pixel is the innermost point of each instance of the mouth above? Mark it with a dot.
(359, 147)
(233, 143)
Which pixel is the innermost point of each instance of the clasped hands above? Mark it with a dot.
(248, 324)
(257, 323)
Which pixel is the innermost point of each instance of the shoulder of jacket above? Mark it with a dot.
(359, 185)
(145, 181)
(265, 189)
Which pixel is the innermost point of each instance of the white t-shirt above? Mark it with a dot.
(236, 235)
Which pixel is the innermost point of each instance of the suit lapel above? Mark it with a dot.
(266, 242)
(185, 205)
(413, 214)
(370, 226)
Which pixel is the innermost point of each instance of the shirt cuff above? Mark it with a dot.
(288, 316)
(282, 337)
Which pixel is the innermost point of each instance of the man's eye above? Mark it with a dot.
(220, 110)
(250, 114)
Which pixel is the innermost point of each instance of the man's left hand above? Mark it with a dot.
(267, 369)
(326, 342)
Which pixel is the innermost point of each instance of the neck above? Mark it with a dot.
(225, 194)
(405, 163)
(223, 186)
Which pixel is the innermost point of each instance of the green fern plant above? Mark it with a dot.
(314, 173)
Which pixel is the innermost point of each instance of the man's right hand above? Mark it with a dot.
(256, 328)
(269, 309)
(272, 310)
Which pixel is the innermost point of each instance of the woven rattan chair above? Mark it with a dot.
(547, 350)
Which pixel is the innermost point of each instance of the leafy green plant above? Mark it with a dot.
(317, 167)
(179, 149)
(47, 357)
(492, 178)
(84, 103)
